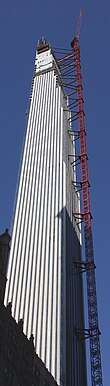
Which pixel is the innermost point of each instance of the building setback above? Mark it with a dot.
(42, 283)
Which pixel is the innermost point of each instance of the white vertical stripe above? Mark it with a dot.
(46, 227)
(52, 235)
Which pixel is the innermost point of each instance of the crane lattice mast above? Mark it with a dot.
(95, 355)
(70, 68)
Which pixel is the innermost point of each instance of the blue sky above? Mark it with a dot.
(22, 23)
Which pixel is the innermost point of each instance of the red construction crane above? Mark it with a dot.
(70, 68)
(95, 356)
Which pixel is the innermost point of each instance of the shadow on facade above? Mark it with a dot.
(75, 342)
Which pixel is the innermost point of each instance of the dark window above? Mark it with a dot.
(26, 356)
(12, 337)
(8, 376)
(10, 355)
(1, 323)
(35, 371)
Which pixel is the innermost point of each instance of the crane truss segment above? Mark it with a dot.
(79, 23)
(70, 69)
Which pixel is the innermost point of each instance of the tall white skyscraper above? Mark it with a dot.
(46, 240)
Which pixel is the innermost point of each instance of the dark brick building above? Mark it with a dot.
(4, 253)
(19, 364)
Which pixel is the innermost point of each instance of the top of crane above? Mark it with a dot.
(78, 26)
